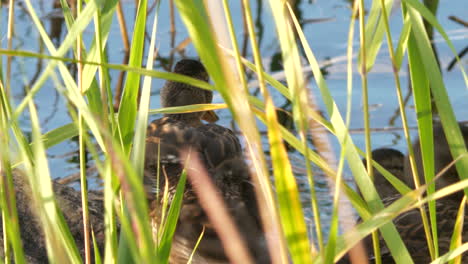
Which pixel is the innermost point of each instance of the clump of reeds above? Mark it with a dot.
(120, 136)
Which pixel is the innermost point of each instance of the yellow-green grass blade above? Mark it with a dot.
(397, 183)
(138, 152)
(458, 230)
(128, 106)
(377, 220)
(407, 202)
(138, 70)
(59, 135)
(65, 132)
(97, 254)
(11, 233)
(431, 235)
(374, 33)
(194, 15)
(445, 111)
(292, 219)
(443, 192)
(187, 109)
(82, 21)
(196, 246)
(366, 186)
(88, 85)
(110, 193)
(422, 99)
(165, 242)
(71, 90)
(61, 246)
(289, 206)
(402, 42)
(135, 214)
(452, 254)
(105, 17)
(432, 20)
(100, 96)
(142, 117)
(82, 138)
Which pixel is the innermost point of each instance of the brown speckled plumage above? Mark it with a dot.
(220, 153)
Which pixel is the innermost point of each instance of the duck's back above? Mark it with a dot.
(216, 144)
(164, 140)
(221, 154)
(166, 137)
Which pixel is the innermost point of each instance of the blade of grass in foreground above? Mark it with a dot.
(195, 17)
(426, 120)
(170, 222)
(71, 91)
(59, 240)
(421, 53)
(139, 143)
(452, 254)
(292, 217)
(374, 32)
(445, 110)
(68, 131)
(389, 231)
(128, 107)
(422, 102)
(456, 240)
(432, 20)
(134, 217)
(11, 233)
(83, 20)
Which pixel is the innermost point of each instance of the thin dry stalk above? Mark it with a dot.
(11, 22)
(126, 44)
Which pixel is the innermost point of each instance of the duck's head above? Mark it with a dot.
(392, 160)
(180, 94)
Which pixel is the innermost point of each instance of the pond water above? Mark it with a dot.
(327, 39)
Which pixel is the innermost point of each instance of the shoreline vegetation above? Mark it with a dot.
(110, 126)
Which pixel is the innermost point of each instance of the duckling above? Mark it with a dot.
(220, 152)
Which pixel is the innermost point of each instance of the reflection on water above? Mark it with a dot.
(327, 39)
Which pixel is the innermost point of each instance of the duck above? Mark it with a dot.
(392, 160)
(409, 224)
(220, 153)
(442, 159)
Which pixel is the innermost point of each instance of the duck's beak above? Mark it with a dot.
(210, 116)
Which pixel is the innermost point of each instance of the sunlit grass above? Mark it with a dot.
(120, 137)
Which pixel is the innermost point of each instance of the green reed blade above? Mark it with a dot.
(128, 106)
(165, 241)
